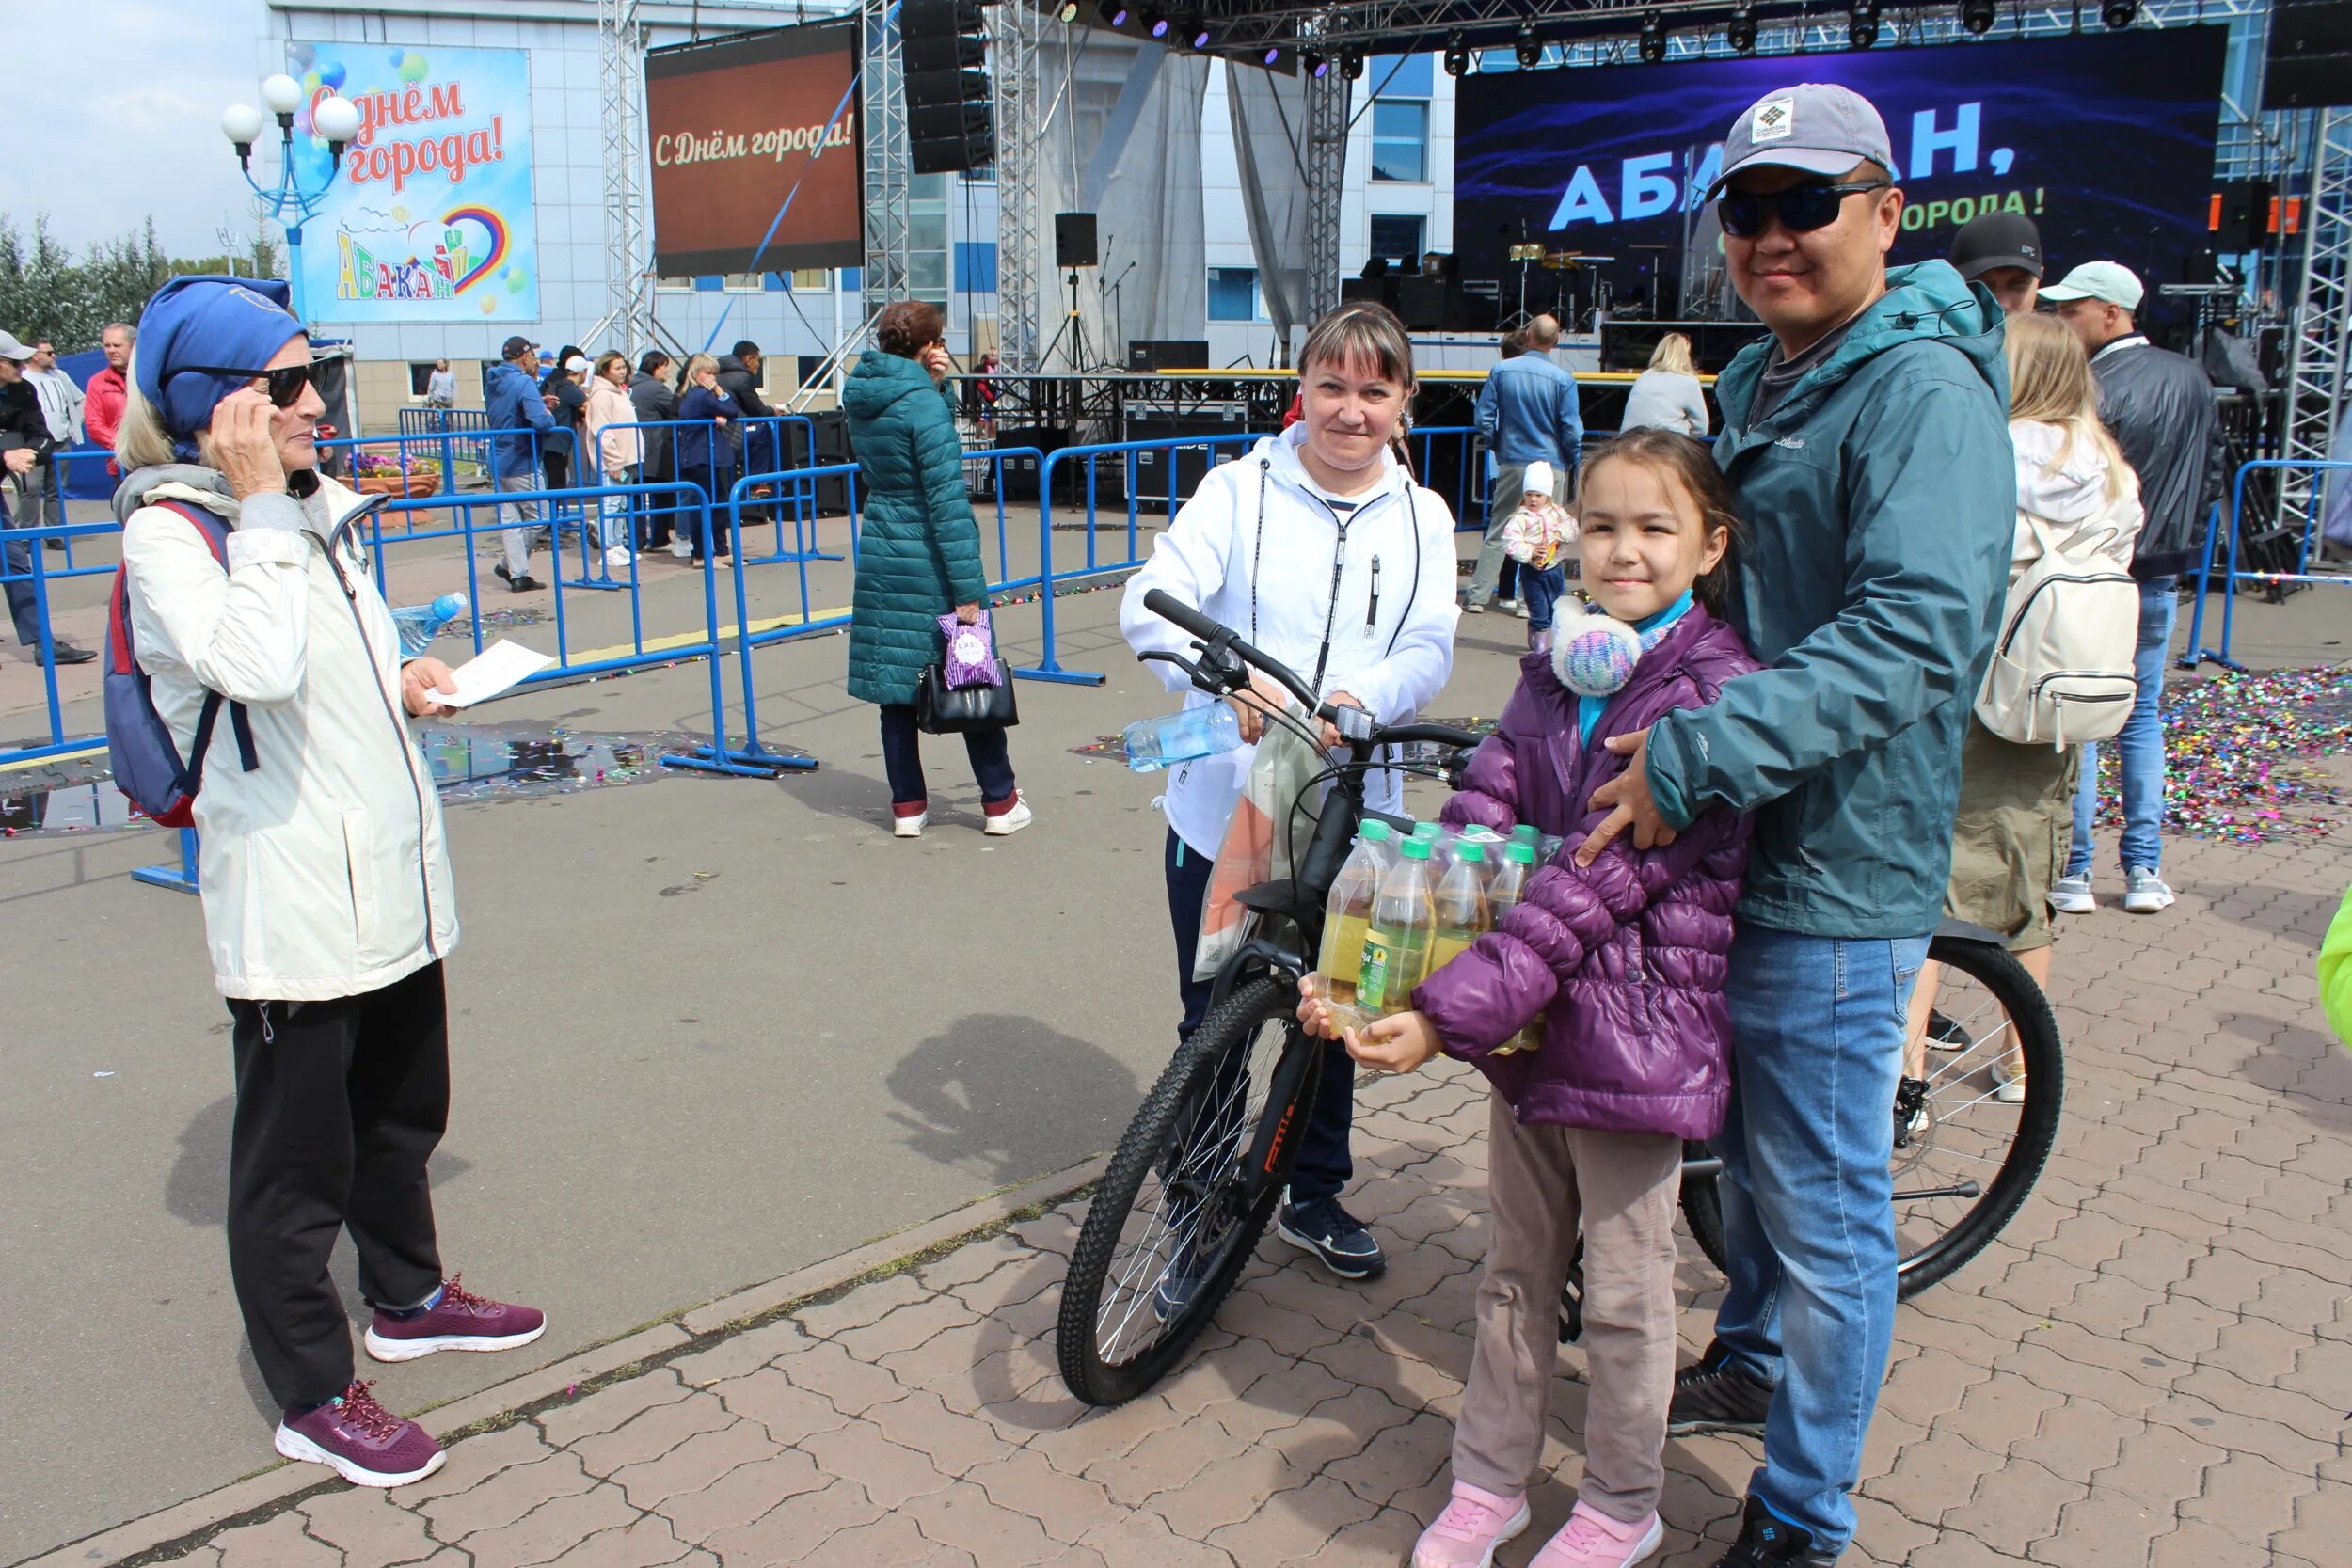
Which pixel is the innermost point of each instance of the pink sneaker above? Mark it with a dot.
(367, 1445)
(1469, 1529)
(1591, 1538)
(458, 1321)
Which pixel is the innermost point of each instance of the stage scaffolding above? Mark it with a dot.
(621, 80)
(1014, 37)
(2322, 321)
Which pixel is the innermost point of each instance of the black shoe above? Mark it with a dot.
(56, 545)
(1769, 1541)
(524, 584)
(1718, 1395)
(66, 653)
(1337, 1239)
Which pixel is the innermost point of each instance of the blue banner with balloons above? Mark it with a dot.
(430, 217)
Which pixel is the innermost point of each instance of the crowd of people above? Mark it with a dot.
(1768, 803)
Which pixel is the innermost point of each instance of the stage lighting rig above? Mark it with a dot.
(1457, 53)
(1195, 36)
(2120, 14)
(1352, 64)
(1069, 11)
(1531, 48)
(1113, 13)
(1978, 16)
(1273, 56)
(1653, 44)
(1313, 63)
(1740, 32)
(1155, 24)
(1861, 24)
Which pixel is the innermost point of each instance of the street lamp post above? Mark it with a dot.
(334, 118)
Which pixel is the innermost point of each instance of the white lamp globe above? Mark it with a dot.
(242, 123)
(335, 119)
(281, 93)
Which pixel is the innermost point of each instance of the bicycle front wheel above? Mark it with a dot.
(1187, 1194)
(1971, 1136)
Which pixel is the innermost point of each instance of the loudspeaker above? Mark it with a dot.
(951, 122)
(2310, 57)
(1021, 473)
(1429, 304)
(2239, 214)
(1075, 241)
(1379, 291)
(1148, 355)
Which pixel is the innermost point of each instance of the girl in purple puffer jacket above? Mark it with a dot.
(1624, 961)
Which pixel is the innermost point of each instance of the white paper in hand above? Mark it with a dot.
(497, 668)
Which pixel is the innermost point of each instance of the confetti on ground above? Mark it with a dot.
(2241, 754)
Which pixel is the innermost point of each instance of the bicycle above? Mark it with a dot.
(1197, 1174)
(1200, 1170)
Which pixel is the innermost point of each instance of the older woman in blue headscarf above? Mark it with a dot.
(325, 876)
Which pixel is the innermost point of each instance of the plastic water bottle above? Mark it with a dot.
(419, 624)
(1347, 913)
(1200, 730)
(1502, 895)
(1396, 941)
(1459, 905)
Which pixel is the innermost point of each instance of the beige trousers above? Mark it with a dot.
(1544, 1183)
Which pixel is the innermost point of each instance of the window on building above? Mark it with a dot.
(1400, 141)
(419, 372)
(1398, 237)
(1234, 294)
(927, 236)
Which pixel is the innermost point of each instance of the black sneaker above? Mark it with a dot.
(66, 653)
(1336, 1238)
(1718, 1395)
(1769, 1541)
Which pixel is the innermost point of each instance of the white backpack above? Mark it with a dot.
(2062, 668)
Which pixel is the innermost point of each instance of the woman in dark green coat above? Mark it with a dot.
(918, 557)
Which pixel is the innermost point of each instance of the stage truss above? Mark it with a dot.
(621, 81)
(2322, 321)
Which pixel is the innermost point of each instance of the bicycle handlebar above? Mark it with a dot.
(1182, 616)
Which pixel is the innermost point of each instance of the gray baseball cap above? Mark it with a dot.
(11, 349)
(1815, 126)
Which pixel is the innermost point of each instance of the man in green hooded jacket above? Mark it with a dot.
(1868, 442)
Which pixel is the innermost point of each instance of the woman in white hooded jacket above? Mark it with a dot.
(1319, 549)
(322, 866)
(2016, 815)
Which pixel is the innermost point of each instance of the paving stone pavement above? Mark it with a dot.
(2151, 1367)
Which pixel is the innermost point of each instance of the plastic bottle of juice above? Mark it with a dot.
(1509, 886)
(1396, 943)
(1460, 904)
(1492, 842)
(1348, 912)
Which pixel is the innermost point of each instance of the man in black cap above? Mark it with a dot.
(2001, 250)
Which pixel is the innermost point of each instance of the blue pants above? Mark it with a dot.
(1323, 1165)
(1541, 591)
(1817, 1035)
(2139, 749)
(17, 564)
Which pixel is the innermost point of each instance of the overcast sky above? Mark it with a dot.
(116, 115)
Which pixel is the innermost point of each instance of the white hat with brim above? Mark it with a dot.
(11, 349)
(2110, 281)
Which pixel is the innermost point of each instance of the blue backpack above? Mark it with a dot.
(146, 761)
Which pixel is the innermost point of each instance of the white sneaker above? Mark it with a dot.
(2144, 892)
(1475, 606)
(2009, 1090)
(618, 556)
(909, 827)
(681, 549)
(1011, 822)
(1514, 607)
(2073, 896)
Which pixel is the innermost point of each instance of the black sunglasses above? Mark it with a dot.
(285, 382)
(1800, 207)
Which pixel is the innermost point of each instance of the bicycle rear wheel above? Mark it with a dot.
(1187, 1194)
(1963, 1158)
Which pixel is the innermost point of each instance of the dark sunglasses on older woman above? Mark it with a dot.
(285, 382)
(1801, 208)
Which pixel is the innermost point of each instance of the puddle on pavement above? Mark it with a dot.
(469, 763)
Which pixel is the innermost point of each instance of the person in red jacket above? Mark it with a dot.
(102, 412)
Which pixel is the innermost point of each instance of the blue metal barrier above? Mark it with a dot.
(180, 877)
(2231, 577)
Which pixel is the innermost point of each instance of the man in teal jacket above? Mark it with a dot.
(1868, 442)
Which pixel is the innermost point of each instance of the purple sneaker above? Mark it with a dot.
(458, 1321)
(366, 1444)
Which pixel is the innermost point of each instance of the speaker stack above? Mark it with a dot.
(2309, 63)
(952, 119)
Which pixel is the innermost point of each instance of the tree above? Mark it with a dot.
(45, 293)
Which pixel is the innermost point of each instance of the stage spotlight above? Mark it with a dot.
(1274, 55)
(1653, 45)
(1352, 64)
(1862, 27)
(1457, 53)
(1155, 24)
(1740, 32)
(2120, 14)
(1069, 11)
(1530, 49)
(1978, 16)
(1313, 63)
(1113, 13)
(1195, 36)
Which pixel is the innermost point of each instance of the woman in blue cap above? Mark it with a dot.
(324, 872)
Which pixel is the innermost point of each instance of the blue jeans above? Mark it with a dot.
(1541, 591)
(2139, 748)
(1817, 1039)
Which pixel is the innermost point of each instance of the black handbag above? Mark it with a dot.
(943, 709)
